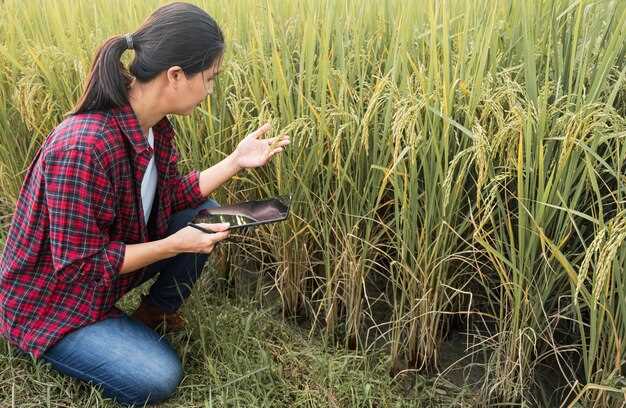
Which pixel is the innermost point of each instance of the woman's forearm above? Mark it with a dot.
(215, 176)
(139, 255)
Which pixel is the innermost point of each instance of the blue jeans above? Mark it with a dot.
(131, 362)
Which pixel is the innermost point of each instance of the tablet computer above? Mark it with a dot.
(248, 213)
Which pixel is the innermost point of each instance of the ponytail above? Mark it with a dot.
(177, 34)
(106, 86)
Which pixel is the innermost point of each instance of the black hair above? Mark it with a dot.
(175, 34)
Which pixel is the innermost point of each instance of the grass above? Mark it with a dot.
(236, 354)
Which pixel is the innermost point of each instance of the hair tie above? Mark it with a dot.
(129, 41)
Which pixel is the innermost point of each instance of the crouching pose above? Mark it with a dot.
(103, 208)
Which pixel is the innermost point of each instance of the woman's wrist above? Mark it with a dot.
(215, 176)
(137, 256)
(233, 163)
(169, 246)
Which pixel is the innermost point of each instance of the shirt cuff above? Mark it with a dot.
(114, 253)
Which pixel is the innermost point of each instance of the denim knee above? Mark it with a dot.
(181, 218)
(209, 203)
(157, 385)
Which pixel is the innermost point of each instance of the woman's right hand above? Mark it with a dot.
(190, 239)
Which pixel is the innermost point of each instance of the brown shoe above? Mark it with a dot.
(158, 320)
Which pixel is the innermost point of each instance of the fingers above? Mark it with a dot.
(219, 236)
(216, 227)
(211, 240)
(280, 138)
(280, 141)
(261, 131)
(202, 241)
(275, 151)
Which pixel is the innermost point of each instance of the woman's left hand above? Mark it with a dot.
(254, 151)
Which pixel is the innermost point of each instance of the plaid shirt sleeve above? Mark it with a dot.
(81, 207)
(185, 189)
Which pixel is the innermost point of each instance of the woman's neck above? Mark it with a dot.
(144, 99)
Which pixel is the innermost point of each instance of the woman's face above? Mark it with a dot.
(190, 91)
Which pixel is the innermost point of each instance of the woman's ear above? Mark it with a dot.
(174, 75)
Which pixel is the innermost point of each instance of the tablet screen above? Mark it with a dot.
(247, 213)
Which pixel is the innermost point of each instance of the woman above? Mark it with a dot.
(103, 209)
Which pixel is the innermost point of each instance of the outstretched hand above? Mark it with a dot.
(254, 151)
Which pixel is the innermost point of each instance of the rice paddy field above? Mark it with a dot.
(458, 230)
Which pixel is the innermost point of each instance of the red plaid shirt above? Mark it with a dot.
(79, 206)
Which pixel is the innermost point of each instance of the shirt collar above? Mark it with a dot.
(127, 120)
